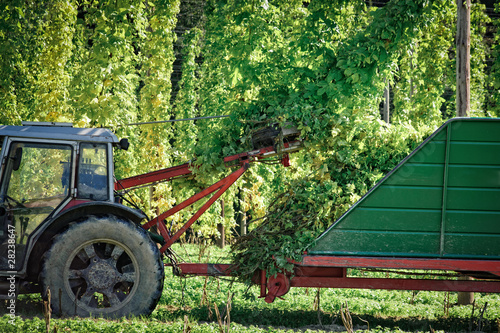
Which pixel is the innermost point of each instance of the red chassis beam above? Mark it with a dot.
(492, 266)
(331, 272)
(395, 284)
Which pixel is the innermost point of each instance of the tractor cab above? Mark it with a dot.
(47, 168)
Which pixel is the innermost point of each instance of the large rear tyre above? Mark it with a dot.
(103, 267)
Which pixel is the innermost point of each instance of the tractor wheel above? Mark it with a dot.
(103, 267)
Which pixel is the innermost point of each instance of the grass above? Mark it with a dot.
(190, 305)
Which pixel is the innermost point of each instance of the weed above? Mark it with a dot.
(47, 311)
(187, 327)
(224, 320)
(346, 318)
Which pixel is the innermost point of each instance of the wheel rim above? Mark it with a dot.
(101, 275)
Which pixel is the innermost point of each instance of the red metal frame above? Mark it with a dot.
(491, 266)
(277, 286)
(216, 189)
(220, 187)
(331, 272)
(154, 176)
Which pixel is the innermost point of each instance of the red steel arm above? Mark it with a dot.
(185, 169)
(154, 176)
(218, 188)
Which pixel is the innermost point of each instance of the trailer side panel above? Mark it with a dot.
(443, 200)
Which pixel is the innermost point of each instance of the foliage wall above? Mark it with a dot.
(320, 64)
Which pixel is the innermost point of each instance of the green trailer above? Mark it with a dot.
(442, 201)
(437, 210)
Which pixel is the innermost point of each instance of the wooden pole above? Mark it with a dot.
(463, 87)
(465, 298)
(386, 113)
(243, 225)
(463, 58)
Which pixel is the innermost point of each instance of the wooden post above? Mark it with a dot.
(463, 88)
(463, 58)
(411, 77)
(386, 114)
(243, 225)
(465, 298)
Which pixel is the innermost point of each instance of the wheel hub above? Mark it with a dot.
(102, 276)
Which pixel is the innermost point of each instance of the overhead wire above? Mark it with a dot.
(171, 120)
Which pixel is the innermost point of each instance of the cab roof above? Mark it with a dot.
(58, 131)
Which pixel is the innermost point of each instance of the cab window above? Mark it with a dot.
(35, 182)
(93, 172)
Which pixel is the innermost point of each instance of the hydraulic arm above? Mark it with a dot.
(242, 160)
